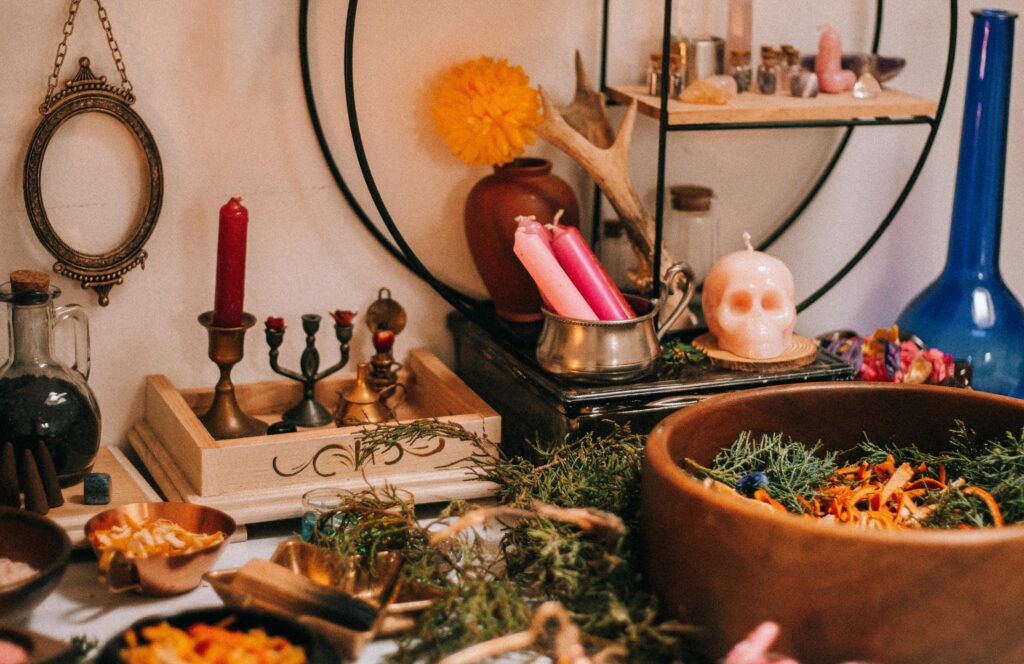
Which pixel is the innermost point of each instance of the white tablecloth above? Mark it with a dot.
(80, 605)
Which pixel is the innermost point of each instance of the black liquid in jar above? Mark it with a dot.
(53, 410)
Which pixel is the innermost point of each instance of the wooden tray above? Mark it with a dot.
(126, 486)
(262, 478)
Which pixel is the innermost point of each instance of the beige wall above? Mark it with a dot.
(218, 83)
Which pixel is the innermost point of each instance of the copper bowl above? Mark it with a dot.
(839, 593)
(39, 542)
(159, 575)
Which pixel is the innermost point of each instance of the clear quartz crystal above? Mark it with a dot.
(866, 87)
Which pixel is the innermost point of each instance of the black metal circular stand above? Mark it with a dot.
(400, 249)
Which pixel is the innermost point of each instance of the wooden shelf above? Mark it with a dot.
(783, 110)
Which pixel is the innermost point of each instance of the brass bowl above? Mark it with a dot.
(345, 575)
(724, 564)
(159, 575)
(39, 542)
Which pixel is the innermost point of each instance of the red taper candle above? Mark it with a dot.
(227, 304)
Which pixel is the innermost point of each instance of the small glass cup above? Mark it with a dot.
(315, 503)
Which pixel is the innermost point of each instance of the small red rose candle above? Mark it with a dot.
(275, 324)
(343, 317)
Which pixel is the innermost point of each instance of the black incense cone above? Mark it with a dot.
(35, 495)
(9, 494)
(49, 475)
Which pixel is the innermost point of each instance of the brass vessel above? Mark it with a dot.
(360, 403)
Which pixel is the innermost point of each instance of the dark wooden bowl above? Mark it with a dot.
(40, 542)
(839, 593)
(318, 650)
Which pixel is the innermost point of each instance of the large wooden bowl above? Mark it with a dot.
(838, 593)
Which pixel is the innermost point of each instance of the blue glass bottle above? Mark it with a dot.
(968, 311)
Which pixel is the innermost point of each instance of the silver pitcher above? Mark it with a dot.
(597, 351)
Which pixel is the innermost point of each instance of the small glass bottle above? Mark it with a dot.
(789, 68)
(739, 61)
(616, 252)
(768, 73)
(654, 76)
(692, 232)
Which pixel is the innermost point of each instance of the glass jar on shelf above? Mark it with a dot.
(691, 231)
(616, 252)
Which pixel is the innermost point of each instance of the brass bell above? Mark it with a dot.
(360, 403)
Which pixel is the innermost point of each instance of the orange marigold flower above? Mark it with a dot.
(486, 111)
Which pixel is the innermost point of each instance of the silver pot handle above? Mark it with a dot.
(668, 283)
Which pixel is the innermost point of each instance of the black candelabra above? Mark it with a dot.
(308, 412)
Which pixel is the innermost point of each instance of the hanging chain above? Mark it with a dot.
(62, 49)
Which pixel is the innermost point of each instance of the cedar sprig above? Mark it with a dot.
(677, 353)
(793, 469)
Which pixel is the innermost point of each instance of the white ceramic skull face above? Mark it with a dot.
(749, 304)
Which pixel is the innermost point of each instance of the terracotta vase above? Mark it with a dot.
(523, 187)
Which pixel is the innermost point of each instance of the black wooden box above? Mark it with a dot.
(535, 405)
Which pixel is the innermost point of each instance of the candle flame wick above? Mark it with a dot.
(523, 218)
(746, 241)
(558, 215)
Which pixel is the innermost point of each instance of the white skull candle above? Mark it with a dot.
(749, 304)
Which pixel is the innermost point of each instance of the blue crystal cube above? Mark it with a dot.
(97, 488)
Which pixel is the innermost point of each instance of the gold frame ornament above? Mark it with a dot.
(89, 93)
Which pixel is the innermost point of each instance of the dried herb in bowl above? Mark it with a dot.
(971, 484)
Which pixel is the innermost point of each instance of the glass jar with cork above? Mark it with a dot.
(691, 233)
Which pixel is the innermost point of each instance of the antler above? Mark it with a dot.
(609, 167)
(582, 131)
(586, 114)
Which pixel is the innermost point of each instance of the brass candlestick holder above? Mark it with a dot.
(226, 419)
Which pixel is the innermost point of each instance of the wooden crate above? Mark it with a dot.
(262, 478)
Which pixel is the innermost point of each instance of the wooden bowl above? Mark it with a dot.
(40, 542)
(318, 651)
(159, 576)
(839, 593)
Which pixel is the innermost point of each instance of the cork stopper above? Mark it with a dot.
(691, 197)
(29, 281)
(739, 58)
(791, 54)
(675, 62)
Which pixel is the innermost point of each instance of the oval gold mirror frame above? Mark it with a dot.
(88, 93)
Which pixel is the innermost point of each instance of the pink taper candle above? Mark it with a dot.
(230, 292)
(587, 274)
(559, 293)
(537, 228)
(829, 63)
